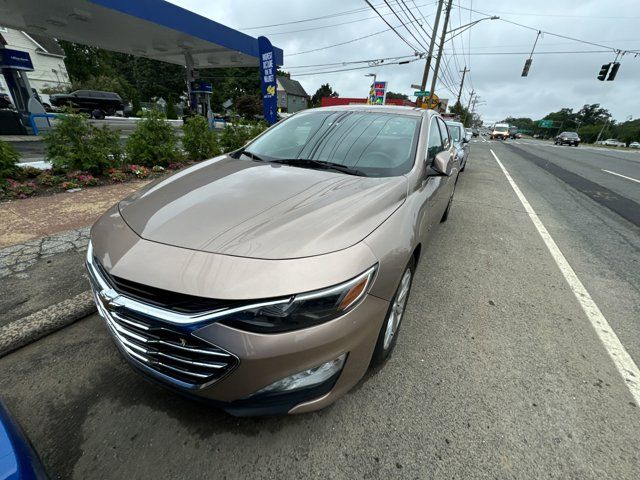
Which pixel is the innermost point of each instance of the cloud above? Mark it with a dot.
(554, 81)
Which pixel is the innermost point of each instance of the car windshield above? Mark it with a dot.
(373, 144)
(501, 128)
(456, 132)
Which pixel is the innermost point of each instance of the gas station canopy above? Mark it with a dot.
(147, 28)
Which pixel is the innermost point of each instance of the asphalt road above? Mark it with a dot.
(498, 372)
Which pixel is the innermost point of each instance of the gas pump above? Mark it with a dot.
(14, 65)
(201, 98)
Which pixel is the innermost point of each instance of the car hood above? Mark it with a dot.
(262, 210)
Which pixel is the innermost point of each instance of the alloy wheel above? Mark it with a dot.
(397, 309)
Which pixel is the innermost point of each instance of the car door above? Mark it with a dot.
(430, 193)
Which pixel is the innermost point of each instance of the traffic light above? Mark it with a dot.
(527, 65)
(603, 71)
(614, 71)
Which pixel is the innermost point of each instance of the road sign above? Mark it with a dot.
(417, 87)
(545, 123)
(422, 102)
(421, 93)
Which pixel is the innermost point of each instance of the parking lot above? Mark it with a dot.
(498, 371)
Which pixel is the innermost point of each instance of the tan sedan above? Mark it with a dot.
(269, 279)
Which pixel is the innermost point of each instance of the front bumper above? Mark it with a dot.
(249, 361)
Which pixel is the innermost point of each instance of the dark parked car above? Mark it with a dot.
(97, 104)
(568, 138)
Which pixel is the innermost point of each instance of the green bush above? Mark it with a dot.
(171, 109)
(237, 135)
(199, 141)
(8, 160)
(76, 145)
(153, 142)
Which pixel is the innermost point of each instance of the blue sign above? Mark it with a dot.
(201, 87)
(15, 60)
(268, 80)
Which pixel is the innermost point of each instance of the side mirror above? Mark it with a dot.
(465, 140)
(443, 164)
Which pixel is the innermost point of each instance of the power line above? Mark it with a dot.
(331, 15)
(391, 26)
(428, 37)
(338, 44)
(586, 42)
(402, 22)
(337, 64)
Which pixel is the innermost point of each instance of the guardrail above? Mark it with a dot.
(33, 116)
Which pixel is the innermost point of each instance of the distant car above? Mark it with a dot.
(518, 135)
(634, 145)
(568, 138)
(96, 103)
(513, 131)
(460, 142)
(18, 459)
(5, 101)
(500, 131)
(612, 142)
(475, 132)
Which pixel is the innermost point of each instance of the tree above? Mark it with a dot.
(592, 114)
(324, 91)
(523, 123)
(465, 116)
(400, 96)
(248, 106)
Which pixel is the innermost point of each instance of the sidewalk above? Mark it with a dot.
(31, 218)
(43, 282)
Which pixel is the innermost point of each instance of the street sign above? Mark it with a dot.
(421, 93)
(545, 123)
(417, 87)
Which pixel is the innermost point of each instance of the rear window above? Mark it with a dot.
(456, 132)
(570, 134)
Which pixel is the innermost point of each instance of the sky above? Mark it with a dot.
(555, 80)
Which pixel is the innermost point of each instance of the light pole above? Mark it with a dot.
(371, 75)
(445, 32)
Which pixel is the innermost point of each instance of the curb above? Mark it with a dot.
(21, 332)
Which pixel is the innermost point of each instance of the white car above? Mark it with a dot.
(612, 142)
(634, 145)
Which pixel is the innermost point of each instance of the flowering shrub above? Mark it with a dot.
(83, 179)
(15, 189)
(70, 184)
(175, 166)
(117, 177)
(157, 169)
(46, 179)
(29, 172)
(138, 170)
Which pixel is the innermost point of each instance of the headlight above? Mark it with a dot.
(302, 310)
(309, 378)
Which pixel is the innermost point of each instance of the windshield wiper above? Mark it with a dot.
(249, 154)
(319, 164)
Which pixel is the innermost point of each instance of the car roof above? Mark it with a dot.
(454, 123)
(412, 111)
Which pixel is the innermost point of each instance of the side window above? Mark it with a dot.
(434, 144)
(446, 137)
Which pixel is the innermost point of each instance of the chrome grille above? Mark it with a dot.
(170, 352)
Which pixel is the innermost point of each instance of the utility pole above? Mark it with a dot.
(440, 50)
(602, 130)
(462, 84)
(427, 66)
(473, 92)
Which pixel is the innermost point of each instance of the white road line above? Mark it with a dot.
(622, 360)
(620, 175)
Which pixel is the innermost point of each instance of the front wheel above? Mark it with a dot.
(389, 332)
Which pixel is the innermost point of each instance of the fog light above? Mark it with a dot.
(309, 378)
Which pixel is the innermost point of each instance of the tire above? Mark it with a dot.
(388, 335)
(98, 114)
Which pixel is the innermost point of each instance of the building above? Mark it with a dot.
(291, 96)
(46, 55)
